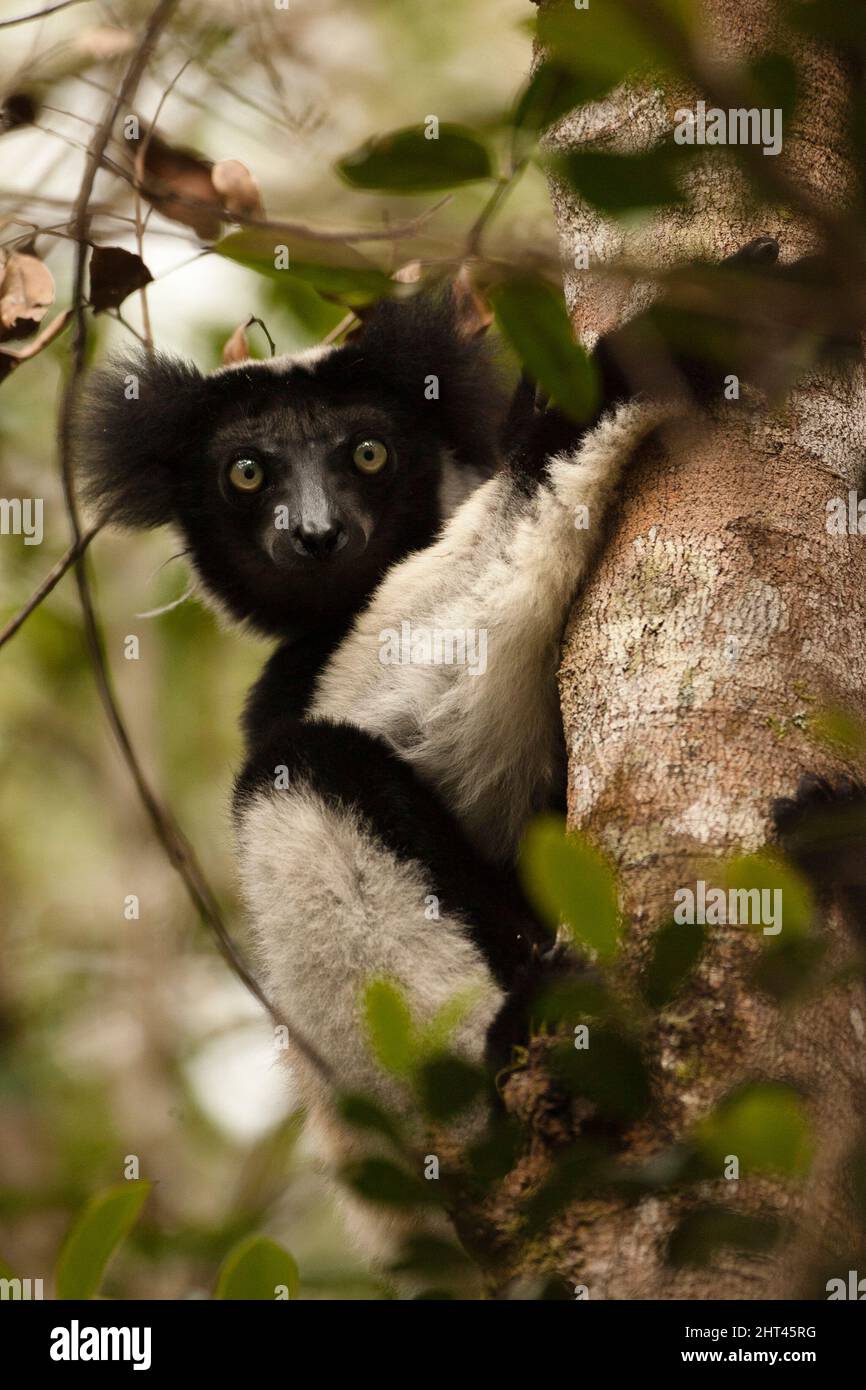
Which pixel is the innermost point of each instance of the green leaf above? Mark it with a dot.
(766, 873)
(495, 1154)
(312, 316)
(764, 1125)
(840, 730)
(835, 20)
(552, 91)
(532, 315)
(622, 182)
(436, 1035)
(431, 1255)
(377, 1180)
(406, 161)
(362, 1112)
(610, 1072)
(331, 267)
(256, 1269)
(446, 1085)
(95, 1235)
(702, 1234)
(787, 969)
(774, 76)
(569, 881)
(605, 43)
(389, 1026)
(676, 950)
(575, 1173)
(574, 996)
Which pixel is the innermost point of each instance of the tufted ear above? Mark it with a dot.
(437, 336)
(135, 428)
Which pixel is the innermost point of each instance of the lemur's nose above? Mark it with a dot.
(319, 541)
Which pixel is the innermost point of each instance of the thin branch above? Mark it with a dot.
(140, 158)
(38, 14)
(178, 849)
(143, 338)
(52, 578)
(503, 187)
(340, 328)
(263, 326)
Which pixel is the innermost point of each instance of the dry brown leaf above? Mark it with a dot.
(237, 189)
(408, 274)
(104, 41)
(17, 109)
(178, 184)
(26, 293)
(40, 342)
(474, 313)
(114, 274)
(237, 349)
(11, 357)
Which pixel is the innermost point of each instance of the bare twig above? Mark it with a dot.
(340, 328)
(38, 14)
(179, 851)
(503, 187)
(263, 326)
(52, 578)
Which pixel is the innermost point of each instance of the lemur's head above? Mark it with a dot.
(297, 482)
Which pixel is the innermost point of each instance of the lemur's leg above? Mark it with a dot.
(352, 869)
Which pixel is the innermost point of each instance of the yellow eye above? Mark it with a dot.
(246, 475)
(370, 455)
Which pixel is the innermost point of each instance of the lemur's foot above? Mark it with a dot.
(527, 1005)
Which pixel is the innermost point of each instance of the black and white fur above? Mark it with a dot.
(370, 790)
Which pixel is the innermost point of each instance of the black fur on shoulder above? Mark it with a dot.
(132, 431)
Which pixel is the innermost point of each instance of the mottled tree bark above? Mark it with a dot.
(721, 616)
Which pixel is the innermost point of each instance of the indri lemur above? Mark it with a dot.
(326, 499)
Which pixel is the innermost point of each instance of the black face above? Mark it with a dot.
(304, 494)
(297, 485)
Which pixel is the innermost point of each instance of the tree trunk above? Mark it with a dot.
(720, 618)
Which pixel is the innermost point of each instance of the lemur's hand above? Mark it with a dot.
(538, 432)
(746, 320)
